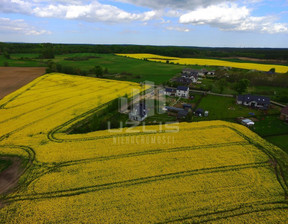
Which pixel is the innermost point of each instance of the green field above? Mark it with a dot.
(16, 61)
(268, 126)
(273, 130)
(139, 70)
(271, 125)
(225, 108)
(281, 141)
(133, 69)
(119, 68)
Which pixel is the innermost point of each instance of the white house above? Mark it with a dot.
(182, 91)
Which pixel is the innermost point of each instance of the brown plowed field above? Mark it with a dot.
(12, 78)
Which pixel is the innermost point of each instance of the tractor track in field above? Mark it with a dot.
(132, 182)
(2, 106)
(10, 176)
(244, 209)
(239, 210)
(150, 152)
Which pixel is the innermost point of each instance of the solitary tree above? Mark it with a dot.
(242, 85)
(222, 83)
(98, 70)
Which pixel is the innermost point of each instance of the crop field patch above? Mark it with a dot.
(12, 78)
(199, 172)
(209, 62)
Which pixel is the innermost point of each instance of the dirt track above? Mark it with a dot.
(12, 78)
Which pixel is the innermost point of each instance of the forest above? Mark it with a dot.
(49, 49)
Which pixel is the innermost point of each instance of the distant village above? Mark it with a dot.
(183, 91)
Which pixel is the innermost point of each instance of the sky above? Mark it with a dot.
(203, 23)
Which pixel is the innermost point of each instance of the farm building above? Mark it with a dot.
(138, 112)
(182, 91)
(284, 114)
(260, 102)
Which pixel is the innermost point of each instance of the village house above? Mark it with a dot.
(202, 72)
(182, 91)
(260, 102)
(138, 112)
(184, 80)
(169, 92)
(191, 74)
(284, 114)
(187, 71)
(181, 113)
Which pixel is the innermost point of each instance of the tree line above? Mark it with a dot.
(48, 50)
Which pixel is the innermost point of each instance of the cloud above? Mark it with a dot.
(174, 4)
(19, 26)
(82, 10)
(229, 16)
(93, 12)
(221, 14)
(15, 6)
(176, 28)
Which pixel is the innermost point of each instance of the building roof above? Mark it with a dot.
(189, 70)
(250, 98)
(174, 109)
(169, 90)
(199, 111)
(183, 88)
(248, 122)
(285, 110)
(187, 105)
(184, 80)
(182, 113)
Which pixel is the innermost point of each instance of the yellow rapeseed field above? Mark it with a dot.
(209, 62)
(180, 173)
